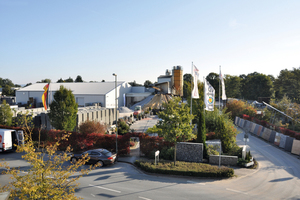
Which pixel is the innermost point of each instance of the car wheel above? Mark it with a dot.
(100, 164)
(73, 160)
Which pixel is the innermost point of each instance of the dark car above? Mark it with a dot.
(97, 156)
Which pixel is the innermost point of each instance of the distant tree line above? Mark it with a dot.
(7, 87)
(254, 85)
(250, 86)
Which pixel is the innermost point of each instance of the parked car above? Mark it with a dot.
(96, 156)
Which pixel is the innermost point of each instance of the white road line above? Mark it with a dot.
(93, 195)
(144, 198)
(236, 191)
(196, 182)
(105, 188)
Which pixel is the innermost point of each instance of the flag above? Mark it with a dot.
(45, 96)
(195, 73)
(209, 96)
(223, 87)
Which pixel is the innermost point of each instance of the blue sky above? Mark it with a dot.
(139, 39)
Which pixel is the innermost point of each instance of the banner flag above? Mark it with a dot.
(195, 73)
(209, 96)
(223, 87)
(45, 96)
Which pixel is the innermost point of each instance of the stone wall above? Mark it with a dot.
(225, 160)
(189, 152)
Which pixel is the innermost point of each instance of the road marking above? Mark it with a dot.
(93, 195)
(144, 198)
(236, 191)
(105, 188)
(196, 182)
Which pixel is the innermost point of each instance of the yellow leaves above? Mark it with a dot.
(48, 175)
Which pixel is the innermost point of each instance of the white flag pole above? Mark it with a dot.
(219, 88)
(192, 91)
(204, 96)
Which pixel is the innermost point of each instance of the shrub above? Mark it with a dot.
(123, 128)
(235, 107)
(186, 169)
(210, 136)
(236, 151)
(92, 127)
(213, 149)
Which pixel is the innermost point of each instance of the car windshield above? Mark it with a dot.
(107, 153)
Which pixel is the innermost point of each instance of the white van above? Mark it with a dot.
(9, 137)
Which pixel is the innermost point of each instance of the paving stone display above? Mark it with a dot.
(282, 141)
(189, 152)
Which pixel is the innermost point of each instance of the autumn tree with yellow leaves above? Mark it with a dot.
(50, 176)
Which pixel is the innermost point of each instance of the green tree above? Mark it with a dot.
(147, 84)
(256, 85)
(175, 124)
(134, 83)
(47, 80)
(69, 80)
(60, 80)
(5, 114)
(288, 82)
(223, 128)
(213, 79)
(78, 79)
(233, 86)
(6, 81)
(63, 110)
(123, 128)
(187, 81)
(8, 91)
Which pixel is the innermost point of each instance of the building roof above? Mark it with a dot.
(165, 76)
(77, 88)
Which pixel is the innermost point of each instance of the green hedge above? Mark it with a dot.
(186, 169)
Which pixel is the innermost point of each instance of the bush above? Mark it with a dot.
(213, 149)
(91, 127)
(236, 151)
(186, 169)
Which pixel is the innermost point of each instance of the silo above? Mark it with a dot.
(178, 80)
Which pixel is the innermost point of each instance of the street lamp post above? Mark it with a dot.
(116, 112)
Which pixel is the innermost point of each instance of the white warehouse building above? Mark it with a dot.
(86, 94)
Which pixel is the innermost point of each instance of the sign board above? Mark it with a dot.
(156, 153)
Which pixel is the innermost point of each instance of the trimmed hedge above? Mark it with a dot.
(186, 169)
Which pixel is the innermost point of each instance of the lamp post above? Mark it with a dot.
(116, 112)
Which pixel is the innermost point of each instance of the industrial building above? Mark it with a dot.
(96, 100)
(86, 94)
(171, 83)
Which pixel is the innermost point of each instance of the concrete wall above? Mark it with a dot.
(266, 134)
(225, 160)
(277, 138)
(189, 152)
(296, 147)
(95, 113)
(283, 141)
(272, 137)
(138, 89)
